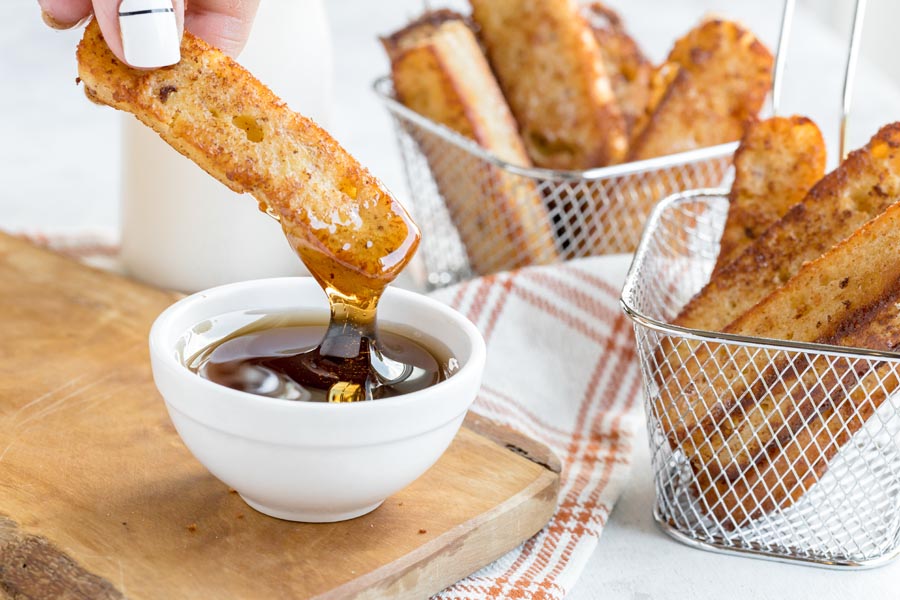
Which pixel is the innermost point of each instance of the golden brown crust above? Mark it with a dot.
(629, 70)
(724, 76)
(218, 115)
(773, 445)
(863, 186)
(551, 72)
(661, 82)
(418, 31)
(866, 183)
(777, 163)
(759, 433)
(439, 71)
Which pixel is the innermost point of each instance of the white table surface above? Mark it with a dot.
(59, 167)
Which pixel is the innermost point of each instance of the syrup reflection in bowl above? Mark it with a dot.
(307, 461)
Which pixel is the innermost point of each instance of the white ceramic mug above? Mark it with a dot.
(183, 230)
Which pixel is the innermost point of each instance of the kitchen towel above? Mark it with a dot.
(561, 368)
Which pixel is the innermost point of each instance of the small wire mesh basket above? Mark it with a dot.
(806, 467)
(480, 214)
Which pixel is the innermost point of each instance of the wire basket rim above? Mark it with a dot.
(638, 317)
(384, 89)
(831, 564)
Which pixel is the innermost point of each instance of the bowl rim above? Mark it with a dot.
(471, 367)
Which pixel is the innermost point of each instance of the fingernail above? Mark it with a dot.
(51, 22)
(149, 33)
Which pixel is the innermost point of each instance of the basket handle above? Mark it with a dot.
(850, 71)
(787, 17)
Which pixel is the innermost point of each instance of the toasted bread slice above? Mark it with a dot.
(763, 441)
(703, 384)
(629, 70)
(777, 163)
(439, 71)
(551, 72)
(724, 76)
(661, 79)
(866, 183)
(789, 469)
(339, 217)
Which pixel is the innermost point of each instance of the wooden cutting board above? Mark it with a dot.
(100, 499)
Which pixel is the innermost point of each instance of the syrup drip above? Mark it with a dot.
(350, 363)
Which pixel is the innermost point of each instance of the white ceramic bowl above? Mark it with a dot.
(307, 461)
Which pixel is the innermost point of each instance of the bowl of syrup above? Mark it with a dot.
(309, 418)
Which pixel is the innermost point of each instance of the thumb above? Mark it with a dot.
(143, 33)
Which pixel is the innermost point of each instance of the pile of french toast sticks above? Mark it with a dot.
(560, 85)
(806, 258)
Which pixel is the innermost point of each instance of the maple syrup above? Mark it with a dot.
(280, 356)
(348, 360)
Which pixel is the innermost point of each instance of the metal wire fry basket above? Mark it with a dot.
(480, 214)
(817, 481)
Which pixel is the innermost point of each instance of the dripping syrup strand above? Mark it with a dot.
(350, 350)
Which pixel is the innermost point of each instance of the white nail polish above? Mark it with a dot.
(149, 33)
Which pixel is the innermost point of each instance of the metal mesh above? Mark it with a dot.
(479, 214)
(784, 450)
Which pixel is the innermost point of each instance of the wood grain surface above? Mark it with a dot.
(100, 499)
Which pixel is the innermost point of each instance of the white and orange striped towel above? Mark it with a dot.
(560, 368)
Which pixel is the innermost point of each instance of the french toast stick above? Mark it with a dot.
(629, 70)
(759, 457)
(797, 453)
(724, 76)
(217, 114)
(777, 163)
(661, 78)
(703, 384)
(867, 182)
(552, 74)
(439, 71)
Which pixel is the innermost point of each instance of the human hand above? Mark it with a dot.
(147, 33)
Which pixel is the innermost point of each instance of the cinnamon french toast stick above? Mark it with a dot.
(776, 442)
(439, 71)
(723, 77)
(777, 163)
(552, 74)
(866, 183)
(629, 70)
(703, 384)
(210, 109)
